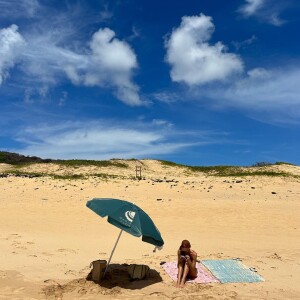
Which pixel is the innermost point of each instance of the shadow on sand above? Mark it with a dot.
(118, 277)
(117, 280)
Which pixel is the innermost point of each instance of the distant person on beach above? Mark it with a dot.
(186, 263)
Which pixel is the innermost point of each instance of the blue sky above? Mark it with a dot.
(195, 82)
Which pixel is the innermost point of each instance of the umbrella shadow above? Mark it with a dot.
(118, 277)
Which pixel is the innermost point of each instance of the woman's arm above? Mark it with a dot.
(194, 257)
(193, 254)
(178, 256)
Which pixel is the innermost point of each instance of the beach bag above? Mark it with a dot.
(138, 272)
(97, 272)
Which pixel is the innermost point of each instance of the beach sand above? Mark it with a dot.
(48, 236)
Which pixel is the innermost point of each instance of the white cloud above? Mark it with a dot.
(44, 61)
(193, 60)
(264, 88)
(108, 63)
(245, 43)
(111, 53)
(269, 93)
(162, 123)
(11, 44)
(106, 13)
(62, 100)
(97, 140)
(258, 73)
(135, 34)
(251, 7)
(275, 20)
(18, 8)
(112, 62)
(30, 94)
(166, 97)
(265, 10)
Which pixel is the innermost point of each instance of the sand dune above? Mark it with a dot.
(48, 237)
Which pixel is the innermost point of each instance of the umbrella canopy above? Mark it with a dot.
(128, 217)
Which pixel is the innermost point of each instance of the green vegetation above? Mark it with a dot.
(18, 173)
(214, 169)
(204, 169)
(256, 173)
(97, 163)
(22, 161)
(283, 163)
(262, 164)
(16, 159)
(170, 163)
(223, 171)
(231, 171)
(106, 176)
(67, 176)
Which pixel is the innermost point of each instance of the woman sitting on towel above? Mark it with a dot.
(186, 263)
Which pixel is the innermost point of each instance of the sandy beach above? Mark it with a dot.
(48, 237)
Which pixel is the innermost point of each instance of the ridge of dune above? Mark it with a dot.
(150, 168)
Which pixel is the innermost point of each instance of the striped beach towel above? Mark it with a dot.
(231, 270)
(203, 275)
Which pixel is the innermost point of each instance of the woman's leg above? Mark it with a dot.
(184, 275)
(192, 270)
(181, 265)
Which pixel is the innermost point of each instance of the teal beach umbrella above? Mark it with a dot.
(128, 217)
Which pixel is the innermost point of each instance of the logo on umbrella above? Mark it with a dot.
(129, 215)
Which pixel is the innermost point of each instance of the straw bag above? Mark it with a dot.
(138, 272)
(97, 272)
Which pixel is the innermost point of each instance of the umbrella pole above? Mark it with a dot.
(112, 252)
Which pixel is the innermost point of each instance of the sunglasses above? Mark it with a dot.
(185, 249)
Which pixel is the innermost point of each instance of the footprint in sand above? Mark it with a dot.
(51, 281)
(112, 292)
(21, 247)
(9, 292)
(71, 272)
(10, 237)
(158, 294)
(47, 254)
(275, 256)
(84, 271)
(206, 296)
(3, 274)
(15, 243)
(232, 294)
(14, 235)
(66, 251)
(82, 291)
